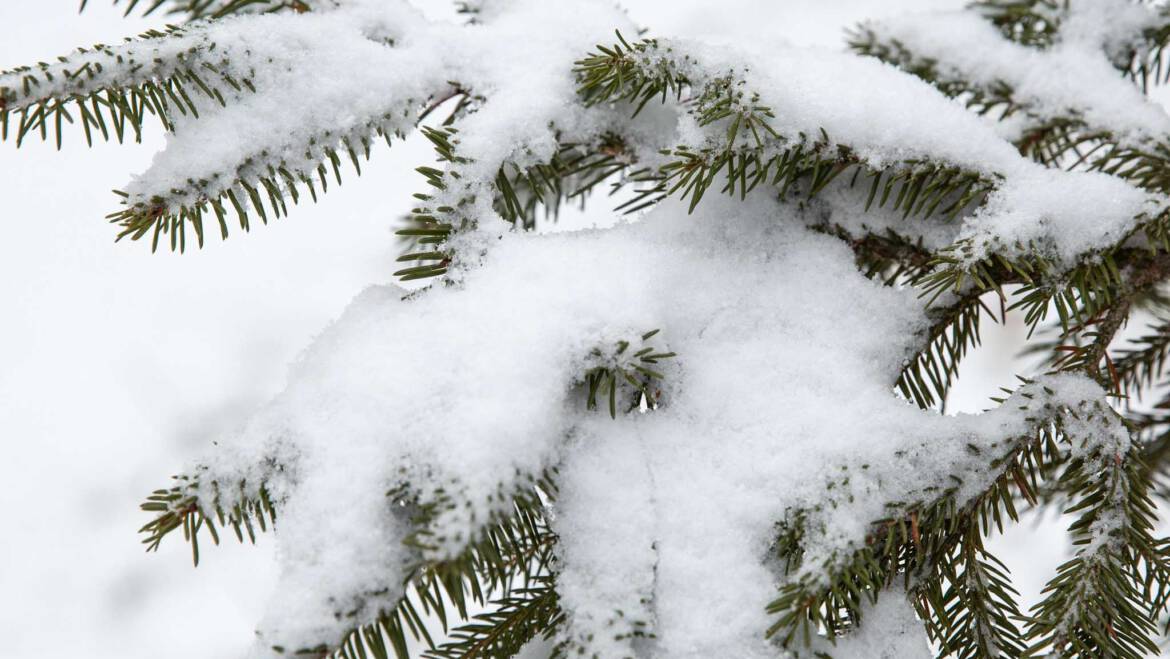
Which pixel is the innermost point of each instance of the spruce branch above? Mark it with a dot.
(243, 509)
(616, 368)
(1145, 59)
(258, 184)
(574, 171)
(518, 194)
(934, 545)
(509, 558)
(508, 564)
(1077, 295)
(889, 257)
(918, 538)
(1028, 22)
(995, 99)
(1106, 600)
(745, 147)
(1068, 140)
(197, 9)
(928, 376)
(971, 607)
(1142, 364)
(513, 621)
(112, 90)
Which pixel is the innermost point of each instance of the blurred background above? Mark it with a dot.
(119, 367)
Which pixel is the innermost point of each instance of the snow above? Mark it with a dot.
(888, 630)
(888, 118)
(330, 81)
(470, 387)
(1073, 77)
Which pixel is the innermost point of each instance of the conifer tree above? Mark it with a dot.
(713, 430)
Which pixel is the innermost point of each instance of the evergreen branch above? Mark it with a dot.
(432, 223)
(994, 99)
(526, 614)
(112, 90)
(928, 376)
(181, 506)
(510, 555)
(889, 257)
(1145, 63)
(1106, 600)
(257, 185)
(748, 150)
(1066, 141)
(197, 9)
(1088, 350)
(1070, 143)
(624, 73)
(1077, 295)
(970, 604)
(962, 592)
(1153, 429)
(1028, 22)
(573, 172)
(1147, 167)
(1143, 363)
(914, 188)
(517, 549)
(621, 367)
(1092, 302)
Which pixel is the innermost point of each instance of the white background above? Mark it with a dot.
(118, 367)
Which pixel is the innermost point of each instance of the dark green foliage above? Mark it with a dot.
(163, 89)
(964, 594)
(753, 152)
(924, 546)
(41, 102)
(929, 375)
(196, 9)
(623, 366)
(509, 563)
(264, 189)
(1142, 364)
(972, 605)
(1106, 600)
(531, 612)
(182, 506)
(1068, 141)
(519, 194)
(994, 100)
(1028, 22)
(571, 175)
(1147, 65)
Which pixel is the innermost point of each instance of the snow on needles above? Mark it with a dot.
(666, 517)
(1074, 77)
(467, 392)
(887, 117)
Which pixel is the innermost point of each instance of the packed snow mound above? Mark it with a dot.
(665, 516)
